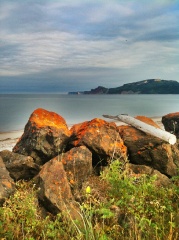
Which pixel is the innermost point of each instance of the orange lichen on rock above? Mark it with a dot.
(96, 123)
(100, 136)
(74, 129)
(171, 115)
(6, 183)
(44, 136)
(41, 118)
(147, 120)
(171, 123)
(79, 156)
(72, 181)
(130, 132)
(82, 128)
(92, 127)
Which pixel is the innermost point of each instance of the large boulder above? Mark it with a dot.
(45, 136)
(101, 138)
(145, 149)
(171, 123)
(54, 190)
(138, 170)
(19, 166)
(7, 187)
(54, 186)
(77, 164)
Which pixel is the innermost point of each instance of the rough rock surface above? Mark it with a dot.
(147, 120)
(137, 170)
(77, 164)
(171, 123)
(55, 192)
(101, 138)
(45, 136)
(148, 150)
(6, 183)
(19, 166)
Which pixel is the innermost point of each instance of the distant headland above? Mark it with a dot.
(149, 86)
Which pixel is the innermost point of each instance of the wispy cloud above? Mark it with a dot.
(63, 39)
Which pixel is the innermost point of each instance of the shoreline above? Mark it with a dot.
(9, 139)
(10, 134)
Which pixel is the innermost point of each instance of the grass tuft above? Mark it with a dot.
(133, 208)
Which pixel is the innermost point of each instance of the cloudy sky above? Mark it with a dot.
(61, 45)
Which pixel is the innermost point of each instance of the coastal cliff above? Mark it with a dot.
(149, 86)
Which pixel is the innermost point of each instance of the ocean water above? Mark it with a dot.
(15, 109)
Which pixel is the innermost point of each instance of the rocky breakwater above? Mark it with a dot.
(61, 161)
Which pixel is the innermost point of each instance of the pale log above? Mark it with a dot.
(166, 136)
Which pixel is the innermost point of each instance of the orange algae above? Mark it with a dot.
(6, 183)
(72, 181)
(176, 114)
(147, 120)
(75, 128)
(42, 118)
(88, 126)
(129, 131)
(94, 128)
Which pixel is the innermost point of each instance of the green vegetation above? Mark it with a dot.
(149, 86)
(134, 208)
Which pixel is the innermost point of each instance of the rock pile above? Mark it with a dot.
(61, 160)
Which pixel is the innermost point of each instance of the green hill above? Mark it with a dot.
(149, 86)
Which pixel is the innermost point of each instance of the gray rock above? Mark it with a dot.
(19, 166)
(54, 186)
(161, 179)
(78, 165)
(144, 149)
(45, 136)
(101, 138)
(7, 187)
(55, 192)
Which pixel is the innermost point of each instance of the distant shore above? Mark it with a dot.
(8, 139)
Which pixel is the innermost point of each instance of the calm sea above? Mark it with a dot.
(15, 109)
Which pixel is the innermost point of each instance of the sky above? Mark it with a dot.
(60, 46)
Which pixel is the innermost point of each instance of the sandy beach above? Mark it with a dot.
(9, 139)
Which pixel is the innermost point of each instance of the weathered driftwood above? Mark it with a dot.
(166, 136)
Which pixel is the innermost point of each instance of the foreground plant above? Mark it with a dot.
(145, 210)
(22, 218)
(133, 208)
